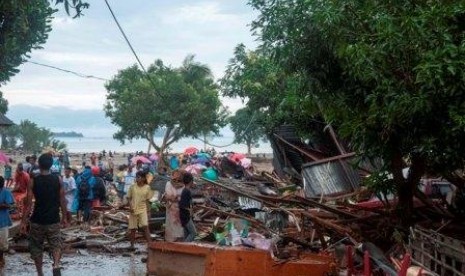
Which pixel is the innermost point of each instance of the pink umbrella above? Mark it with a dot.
(236, 156)
(141, 158)
(4, 158)
(246, 163)
(191, 150)
(154, 157)
(195, 169)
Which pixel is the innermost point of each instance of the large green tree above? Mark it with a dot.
(24, 26)
(389, 74)
(276, 95)
(183, 101)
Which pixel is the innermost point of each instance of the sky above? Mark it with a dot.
(93, 45)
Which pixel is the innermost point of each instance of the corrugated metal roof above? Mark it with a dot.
(330, 177)
(4, 121)
(284, 155)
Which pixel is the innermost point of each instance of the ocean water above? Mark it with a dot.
(97, 144)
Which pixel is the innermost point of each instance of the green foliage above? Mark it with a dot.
(268, 89)
(388, 74)
(10, 137)
(381, 183)
(58, 145)
(24, 26)
(77, 5)
(184, 101)
(246, 128)
(35, 138)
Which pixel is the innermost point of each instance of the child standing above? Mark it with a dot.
(185, 204)
(139, 195)
(8, 174)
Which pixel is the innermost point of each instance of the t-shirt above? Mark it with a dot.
(139, 196)
(46, 191)
(185, 205)
(5, 198)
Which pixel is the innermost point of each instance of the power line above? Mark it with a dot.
(130, 46)
(125, 37)
(232, 143)
(68, 71)
(150, 79)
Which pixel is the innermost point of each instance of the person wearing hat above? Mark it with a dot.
(98, 187)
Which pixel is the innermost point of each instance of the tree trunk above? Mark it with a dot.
(149, 148)
(249, 149)
(406, 186)
(404, 192)
(161, 158)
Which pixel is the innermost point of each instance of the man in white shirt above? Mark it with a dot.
(69, 186)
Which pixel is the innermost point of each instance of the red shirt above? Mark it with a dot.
(22, 180)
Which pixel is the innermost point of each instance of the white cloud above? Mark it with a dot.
(200, 13)
(63, 23)
(92, 45)
(51, 99)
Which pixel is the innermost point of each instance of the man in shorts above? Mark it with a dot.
(138, 198)
(49, 196)
(6, 201)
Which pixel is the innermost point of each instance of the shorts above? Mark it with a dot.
(39, 233)
(139, 220)
(4, 239)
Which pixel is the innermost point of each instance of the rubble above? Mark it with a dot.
(320, 219)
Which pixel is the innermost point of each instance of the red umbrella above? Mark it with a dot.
(191, 150)
(236, 156)
(141, 158)
(4, 158)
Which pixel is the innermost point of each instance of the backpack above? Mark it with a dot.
(84, 189)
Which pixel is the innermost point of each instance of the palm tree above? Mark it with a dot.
(195, 73)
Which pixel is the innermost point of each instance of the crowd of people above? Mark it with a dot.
(46, 193)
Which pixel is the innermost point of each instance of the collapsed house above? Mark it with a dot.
(438, 249)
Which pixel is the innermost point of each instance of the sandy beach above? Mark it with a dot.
(261, 162)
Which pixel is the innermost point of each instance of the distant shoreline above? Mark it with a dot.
(71, 134)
